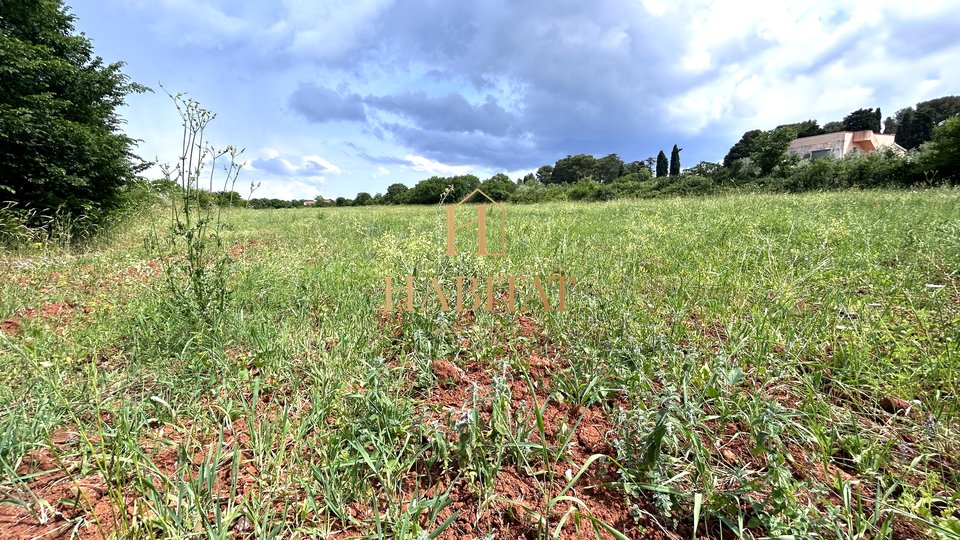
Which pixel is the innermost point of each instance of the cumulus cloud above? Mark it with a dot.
(810, 59)
(513, 85)
(588, 78)
(433, 167)
(310, 166)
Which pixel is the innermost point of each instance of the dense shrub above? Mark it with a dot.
(61, 149)
(943, 154)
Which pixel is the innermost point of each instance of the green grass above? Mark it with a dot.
(733, 355)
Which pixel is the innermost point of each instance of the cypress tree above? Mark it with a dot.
(675, 161)
(661, 164)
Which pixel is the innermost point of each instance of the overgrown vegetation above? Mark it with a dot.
(749, 365)
(63, 161)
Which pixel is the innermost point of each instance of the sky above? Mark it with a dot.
(337, 97)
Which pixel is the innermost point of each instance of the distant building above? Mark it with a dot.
(309, 203)
(841, 143)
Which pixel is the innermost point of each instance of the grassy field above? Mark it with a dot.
(754, 366)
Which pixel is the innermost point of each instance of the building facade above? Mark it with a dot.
(841, 143)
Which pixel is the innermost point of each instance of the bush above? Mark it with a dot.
(583, 190)
(633, 186)
(811, 174)
(686, 186)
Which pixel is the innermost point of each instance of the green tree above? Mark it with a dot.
(229, 199)
(363, 199)
(431, 190)
(608, 168)
(743, 148)
(544, 173)
(675, 161)
(807, 128)
(890, 125)
(60, 139)
(915, 126)
(770, 147)
(833, 127)
(572, 169)
(498, 187)
(705, 169)
(863, 119)
(662, 166)
(396, 194)
(944, 153)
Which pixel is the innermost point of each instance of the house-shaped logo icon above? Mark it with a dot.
(483, 204)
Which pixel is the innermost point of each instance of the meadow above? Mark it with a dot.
(738, 366)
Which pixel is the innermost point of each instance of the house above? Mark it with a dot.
(309, 203)
(841, 143)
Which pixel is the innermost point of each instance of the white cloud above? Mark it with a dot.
(430, 166)
(381, 172)
(325, 165)
(655, 7)
(310, 166)
(287, 189)
(327, 29)
(765, 64)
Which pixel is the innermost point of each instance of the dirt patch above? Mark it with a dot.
(240, 248)
(894, 405)
(11, 327)
(516, 508)
(57, 504)
(59, 315)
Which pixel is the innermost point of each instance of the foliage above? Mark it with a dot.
(396, 194)
(915, 125)
(770, 147)
(544, 174)
(833, 127)
(662, 165)
(704, 168)
(608, 168)
(431, 190)
(61, 149)
(499, 187)
(863, 119)
(675, 161)
(363, 199)
(742, 149)
(943, 156)
(572, 169)
(725, 363)
(890, 125)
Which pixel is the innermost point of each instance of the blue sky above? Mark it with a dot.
(337, 97)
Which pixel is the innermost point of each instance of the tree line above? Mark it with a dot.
(758, 160)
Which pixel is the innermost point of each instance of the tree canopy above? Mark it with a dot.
(863, 119)
(60, 140)
(743, 148)
(915, 126)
